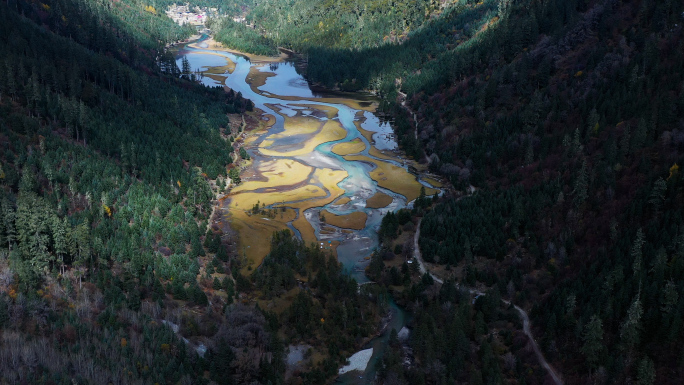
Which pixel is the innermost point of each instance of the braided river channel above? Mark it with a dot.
(324, 166)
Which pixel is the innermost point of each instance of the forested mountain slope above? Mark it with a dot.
(566, 116)
(107, 170)
(304, 24)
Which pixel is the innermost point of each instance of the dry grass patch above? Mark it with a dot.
(330, 132)
(355, 220)
(266, 121)
(330, 112)
(355, 104)
(256, 231)
(277, 173)
(256, 78)
(342, 201)
(297, 125)
(329, 178)
(379, 200)
(383, 155)
(249, 140)
(229, 67)
(366, 134)
(246, 200)
(347, 148)
(433, 182)
(221, 79)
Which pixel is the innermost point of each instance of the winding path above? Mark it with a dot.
(410, 111)
(522, 313)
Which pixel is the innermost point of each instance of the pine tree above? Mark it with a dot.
(133, 159)
(376, 266)
(4, 313)
(179, 291)
(581, 185)
(33, 231)
(467, 251)
(624, 141)
(123, 153)
(577, 147)
(592, 124)
(659, 264)
(28, 181)
(529, 153)
(185, 66)
(59, 235)
(669, 297)
(592, 337)
(234, 175)
(81, 237)
(635, 252)
(629, 330)
(8, 217)
(646, 372)
(640, 135)
(657, 196)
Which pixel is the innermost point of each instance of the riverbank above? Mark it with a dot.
(300, 129)
(213, 45)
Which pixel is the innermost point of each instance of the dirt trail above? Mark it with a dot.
(522, 313)
(410, 111)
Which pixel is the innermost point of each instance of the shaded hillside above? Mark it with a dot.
(571, 132)
(127, 30)
(108, 167)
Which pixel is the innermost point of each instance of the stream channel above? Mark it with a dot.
(297, 171)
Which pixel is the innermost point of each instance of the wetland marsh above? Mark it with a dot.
(326, 167)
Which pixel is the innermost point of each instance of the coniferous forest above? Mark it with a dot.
(557, 125)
